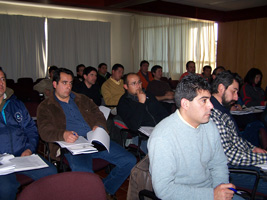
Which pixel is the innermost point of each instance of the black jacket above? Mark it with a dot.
(135, 114)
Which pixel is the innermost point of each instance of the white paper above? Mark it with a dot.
(24, 163)
(28, 163)
(147, 130)
(84, 146)
(105, 110)
(99, 135)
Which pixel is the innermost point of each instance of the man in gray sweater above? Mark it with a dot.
(186, 156)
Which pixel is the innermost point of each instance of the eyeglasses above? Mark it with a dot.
(135, 83)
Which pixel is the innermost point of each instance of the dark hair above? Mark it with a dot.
(1, 69)
(250, 76)
(206, 67)
(56, 74)
(79, 66)
(226, 78)
(101, 64)
(154, 69)
(143, 62)
(51, 68)
(116, 66)
(216, 69)
(88, 69)
(125, 77)
(189, 87)
(189, 63)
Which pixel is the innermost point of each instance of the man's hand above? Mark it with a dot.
(27, 152)
(141, 96)
(70, 136)
(169, 95)
(236, 107)
(222, 192)
(94, 128)
(258, 150)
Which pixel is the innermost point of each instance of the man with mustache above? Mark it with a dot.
(239, 151)
(65, 116)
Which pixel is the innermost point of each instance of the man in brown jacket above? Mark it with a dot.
(65, 115)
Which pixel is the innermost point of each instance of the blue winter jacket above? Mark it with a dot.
(18, 131)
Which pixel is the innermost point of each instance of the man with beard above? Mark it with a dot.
(238, 150)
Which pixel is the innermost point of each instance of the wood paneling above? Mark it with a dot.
(242, 45)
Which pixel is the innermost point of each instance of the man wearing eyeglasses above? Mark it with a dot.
(137, 108)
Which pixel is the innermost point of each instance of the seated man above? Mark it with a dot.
(18, 136)
(207, 73)
(137, 108)
(185, 153)
(65, 115)
(88, 86)
(238, 150)
(45, 86)
(79, 71)
(112, 89)
(102, 74)
(161, 89)
(190, 69)
(144, 74)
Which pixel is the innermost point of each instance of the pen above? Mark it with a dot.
(74, 133)
(237, 192)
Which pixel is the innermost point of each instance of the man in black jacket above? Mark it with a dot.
(137, 108)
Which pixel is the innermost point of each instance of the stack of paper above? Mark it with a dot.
(6, 167)
(10, 164)
(262, 166)
(28, 163)
(80, 146)
(147, 130)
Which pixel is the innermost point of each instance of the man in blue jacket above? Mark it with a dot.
(18, 136)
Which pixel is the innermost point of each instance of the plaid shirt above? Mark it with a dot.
(237, 149)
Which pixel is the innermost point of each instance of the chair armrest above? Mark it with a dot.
(146, 193)
(251, 172)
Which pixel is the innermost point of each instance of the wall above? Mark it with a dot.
(120, 25)
(242, 45)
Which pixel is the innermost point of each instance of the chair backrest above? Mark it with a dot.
(10, 83)
(140, 179)
(67, 186)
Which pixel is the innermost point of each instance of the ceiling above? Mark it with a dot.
(216, 10)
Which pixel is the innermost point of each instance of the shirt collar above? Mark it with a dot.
(72, 96)
(180, 116)
(116, 82)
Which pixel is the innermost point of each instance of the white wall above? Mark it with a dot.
(120, 25)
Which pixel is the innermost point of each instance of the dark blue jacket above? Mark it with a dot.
(18, 131)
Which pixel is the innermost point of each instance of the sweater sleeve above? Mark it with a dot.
(30, 130)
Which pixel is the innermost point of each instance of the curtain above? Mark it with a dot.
(73, 42)
(171, 42)
(22, 46)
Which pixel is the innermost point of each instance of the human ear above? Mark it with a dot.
(184, 104)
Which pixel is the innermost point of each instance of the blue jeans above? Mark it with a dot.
(251, 132)
(247, 181)
(143, 145)
(122, 159)
(9, 184)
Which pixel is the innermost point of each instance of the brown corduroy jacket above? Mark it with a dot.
(51, 119)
